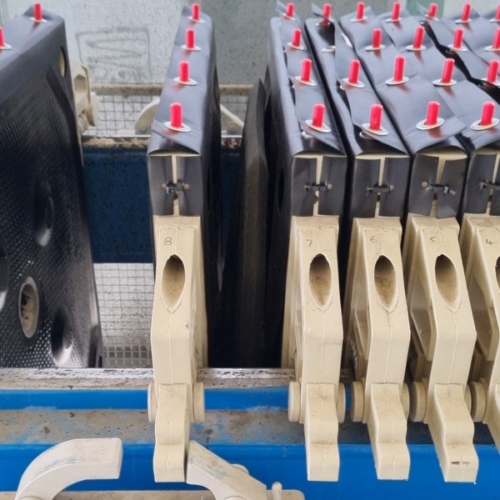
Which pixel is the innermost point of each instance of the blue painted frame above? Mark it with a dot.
(136, 399)
(280, 459)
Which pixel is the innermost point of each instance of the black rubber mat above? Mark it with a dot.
(48, 305)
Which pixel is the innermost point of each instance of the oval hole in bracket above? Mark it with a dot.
(385, 282)
(447, 281)
(174, 278)
(320, 280)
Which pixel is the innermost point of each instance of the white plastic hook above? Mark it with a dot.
(69, 463)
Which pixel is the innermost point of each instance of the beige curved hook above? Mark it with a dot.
(69, 463)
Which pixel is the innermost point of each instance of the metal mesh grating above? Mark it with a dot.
(120, 110)
(118, 113)
(125, 294)
(237, 104)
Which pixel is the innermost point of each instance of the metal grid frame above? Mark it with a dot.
(125, 295)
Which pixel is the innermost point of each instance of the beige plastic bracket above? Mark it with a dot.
(69, 463)
(378, 330)
(443, 338)
(232, 124)
(480, 244)
(229, 482)
(312, 341)
(87, 103)
(178, 342)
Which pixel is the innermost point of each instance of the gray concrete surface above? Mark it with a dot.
(121, 41)
(241, 33)
(128, 41)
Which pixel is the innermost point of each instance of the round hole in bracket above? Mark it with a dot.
(29, 307)
(447, 281)
(44, 213)
(385, 281)
(4, 272)
(63, 64)
(61, 337)
(174, 278)
(320, 280)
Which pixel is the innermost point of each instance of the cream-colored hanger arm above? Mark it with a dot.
(312, 341)
(443, 339)
(178, 342)
(480, 243)
(378, 330)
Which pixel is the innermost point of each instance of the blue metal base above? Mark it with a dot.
(246, 426)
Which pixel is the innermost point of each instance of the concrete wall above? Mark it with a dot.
(242, 32)
(122, 41)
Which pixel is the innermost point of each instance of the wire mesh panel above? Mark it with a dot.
(121, 106)
(125, 293)
(118, 113)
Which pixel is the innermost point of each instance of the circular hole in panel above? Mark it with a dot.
(4, 272)
(174, 277)
(29, 307)
(447, 281)
(44, 213)
(385, 281)
(61, 337)
(320, 280)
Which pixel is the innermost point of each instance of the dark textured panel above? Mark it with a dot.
(42, 218)
(198, 172)
(293, 149)
(245, 261)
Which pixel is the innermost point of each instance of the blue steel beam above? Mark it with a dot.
(241, 426)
